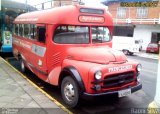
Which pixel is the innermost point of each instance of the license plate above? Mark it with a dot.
(123, 93)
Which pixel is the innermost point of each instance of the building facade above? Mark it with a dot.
(140, 23)
(55, 3)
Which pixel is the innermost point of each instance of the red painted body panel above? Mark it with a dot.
(86, 58)
(60, 16)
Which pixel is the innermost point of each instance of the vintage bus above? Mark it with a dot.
(71, 47)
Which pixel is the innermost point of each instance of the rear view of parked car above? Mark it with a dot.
(152, 48)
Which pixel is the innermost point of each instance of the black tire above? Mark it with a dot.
(130, 53)
(22, 65)
(126, 52)
(66, 85)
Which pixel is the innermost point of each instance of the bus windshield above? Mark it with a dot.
(100, 34)
(72, 35)
(80, 35)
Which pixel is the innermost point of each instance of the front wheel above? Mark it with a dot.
(69, 91)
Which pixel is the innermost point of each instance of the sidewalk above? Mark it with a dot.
(18, 96)
(147, 55)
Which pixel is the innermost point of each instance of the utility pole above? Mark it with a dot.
(26, 6)
(60, 3)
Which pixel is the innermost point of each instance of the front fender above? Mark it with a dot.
(75, 75)
(80, 72)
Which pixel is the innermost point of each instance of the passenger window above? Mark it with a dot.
(33, 32)
(26, 30)
(41, 34)
(16, 29)
(13, 30)
(21, 30)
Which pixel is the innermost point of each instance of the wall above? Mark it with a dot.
(144, 32)
(153, 12)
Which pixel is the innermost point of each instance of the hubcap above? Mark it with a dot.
(22, 65)
(125, 52)
(69, 92)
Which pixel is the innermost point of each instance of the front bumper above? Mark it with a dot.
(133, 89)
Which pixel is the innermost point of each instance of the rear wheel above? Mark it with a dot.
(69, 91)
(130, 53)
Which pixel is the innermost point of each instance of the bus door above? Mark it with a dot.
(39, 50)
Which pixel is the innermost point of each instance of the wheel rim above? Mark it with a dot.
(125, 52)
(69, 92)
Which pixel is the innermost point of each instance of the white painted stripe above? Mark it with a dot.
(38, 50)
(26, 19)
(149, 71)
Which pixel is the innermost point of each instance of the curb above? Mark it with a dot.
(153, 108)
(39, 89)
(154, 57)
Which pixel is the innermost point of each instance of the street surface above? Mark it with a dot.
(110, 104)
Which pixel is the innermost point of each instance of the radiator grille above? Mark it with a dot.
(118, 80)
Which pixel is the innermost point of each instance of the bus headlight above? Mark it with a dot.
(98, 75)
(139, 67)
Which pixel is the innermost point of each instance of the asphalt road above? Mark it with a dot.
(148, 74)
(110, 104)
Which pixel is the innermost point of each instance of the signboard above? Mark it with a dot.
(91, 19)
(7, 39)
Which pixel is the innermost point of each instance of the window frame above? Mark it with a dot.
(37, 29)
(16, 33)
(123, 31)
(142, 12)
(121, 12)
(34, 31)
(21, 25)
(28, 36)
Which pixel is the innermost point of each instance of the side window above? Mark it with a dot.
(41, 33)
(16, 29)
(33, 31)
(26, 30)
(13, 30)
(21, 29)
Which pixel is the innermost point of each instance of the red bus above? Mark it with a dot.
(70, 47)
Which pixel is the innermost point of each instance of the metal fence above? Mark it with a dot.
(138, 21)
